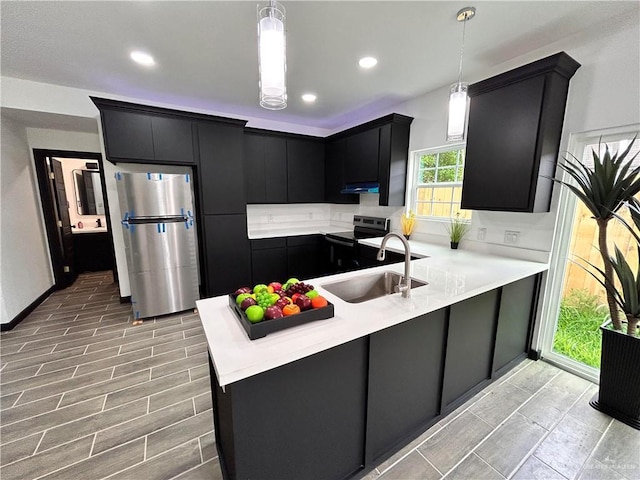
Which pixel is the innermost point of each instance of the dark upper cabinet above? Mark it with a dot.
(172, 139)
(305, 170)
(334, 173)
(515, 124)
(362, 152)
(227, 254)
(221, 168)
(377, 151)
(394, 155)
(265, 159)
(127, 135)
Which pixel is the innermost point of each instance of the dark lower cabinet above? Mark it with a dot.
(227, 254)
(92, 252)
(305, 258)
(340, 412)
(303, 420)
(221, 168)
(269, 260)
(405, 367)
(514, 321)
(469, 346)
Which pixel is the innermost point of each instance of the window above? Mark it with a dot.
(437, 182)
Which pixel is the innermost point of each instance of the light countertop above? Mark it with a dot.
(452, 276)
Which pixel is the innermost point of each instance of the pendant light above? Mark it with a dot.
(272, 56)
(458, 97)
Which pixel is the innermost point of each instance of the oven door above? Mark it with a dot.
(343, 254)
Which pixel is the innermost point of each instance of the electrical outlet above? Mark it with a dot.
(511, 237)
(482, 233)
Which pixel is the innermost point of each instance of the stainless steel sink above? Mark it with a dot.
(367, 287)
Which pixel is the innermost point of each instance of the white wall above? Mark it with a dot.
(25, 267)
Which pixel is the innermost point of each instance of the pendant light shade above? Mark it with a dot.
(272, 56)
(458, 93)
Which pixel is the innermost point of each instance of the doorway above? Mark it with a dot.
(575, 303)
(76, 211)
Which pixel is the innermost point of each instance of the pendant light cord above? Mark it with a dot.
(464, 26)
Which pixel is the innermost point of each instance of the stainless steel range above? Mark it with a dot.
(343, 246)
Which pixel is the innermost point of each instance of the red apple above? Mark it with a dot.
(241, 290)
(276, 286)
(303, 302)
(247, 302)
(273, 312)
(283, 302)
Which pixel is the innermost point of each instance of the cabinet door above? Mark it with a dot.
(305, 166)
(127, 135)
(269, 260)
(470, 341)
(334, 174)
(514, 321)
(405, 368)
(221, 169)
(228, 255)
(172, 140)
(500, 171)
(275, 169)
(362, 150)
(254, 152)
(304, 256)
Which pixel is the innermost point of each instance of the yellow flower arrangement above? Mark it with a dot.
(407, 222)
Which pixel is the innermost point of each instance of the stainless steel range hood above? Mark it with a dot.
(361, 187)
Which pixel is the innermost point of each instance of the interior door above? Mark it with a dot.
(64, 222)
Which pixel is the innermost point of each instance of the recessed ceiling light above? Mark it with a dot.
(309, 97)
(368, 62)
(142, 58)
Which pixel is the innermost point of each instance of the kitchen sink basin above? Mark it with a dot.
(367, 287)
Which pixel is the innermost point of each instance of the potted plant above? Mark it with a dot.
(457, 229)
(605, 188)
(407, 223)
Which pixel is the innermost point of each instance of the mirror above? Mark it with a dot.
(89, 200)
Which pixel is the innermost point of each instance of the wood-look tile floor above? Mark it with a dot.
(86, 395)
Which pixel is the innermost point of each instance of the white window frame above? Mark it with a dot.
(413, 186)
(549, 311)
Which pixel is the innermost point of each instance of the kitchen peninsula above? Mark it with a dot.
(331, 398)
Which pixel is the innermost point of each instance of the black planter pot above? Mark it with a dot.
(454, 245)
(619, 394)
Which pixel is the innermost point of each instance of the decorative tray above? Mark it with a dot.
(265, 327)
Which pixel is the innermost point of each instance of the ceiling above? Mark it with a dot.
(206, 51)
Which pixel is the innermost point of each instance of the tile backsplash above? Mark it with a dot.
(279, 217)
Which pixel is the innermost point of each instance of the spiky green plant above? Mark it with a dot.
(457, 229)
(604, 189)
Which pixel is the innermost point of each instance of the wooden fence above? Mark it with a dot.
(584, 244)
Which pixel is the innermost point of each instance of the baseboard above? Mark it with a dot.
(24, 313)
(534, 355)
(125, 299)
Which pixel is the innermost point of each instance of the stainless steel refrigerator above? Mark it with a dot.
(160, 242)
